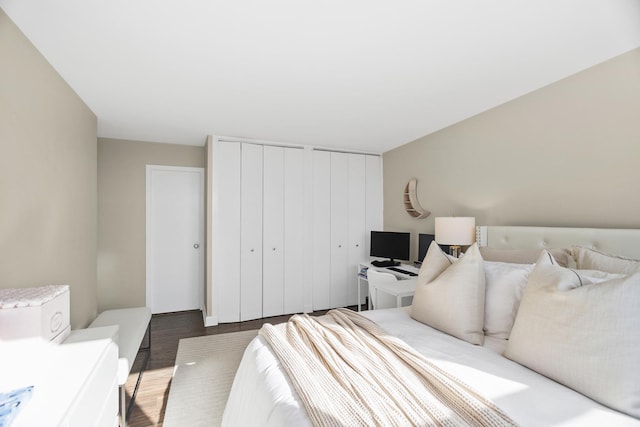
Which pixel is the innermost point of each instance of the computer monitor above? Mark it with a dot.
(391, 245)
(424, 240)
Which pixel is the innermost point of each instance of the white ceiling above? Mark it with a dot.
(362, 74)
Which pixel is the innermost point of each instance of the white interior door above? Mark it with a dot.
(175, 238)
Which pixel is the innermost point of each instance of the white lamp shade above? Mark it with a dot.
(457, 230)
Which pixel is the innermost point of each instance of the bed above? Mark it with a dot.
(520, 385)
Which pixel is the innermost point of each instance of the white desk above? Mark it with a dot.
(399, 289)
(405, 287)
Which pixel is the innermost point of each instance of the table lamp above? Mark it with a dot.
(455, 231)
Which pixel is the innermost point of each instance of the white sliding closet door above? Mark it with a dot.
(251, 232)
(373, 211)
(295, 236)
(373, 203)
(226, 231)
(339, 228)
(289, 227)
(347, 205)
(321, 236)
(273, 232)
(356, 222)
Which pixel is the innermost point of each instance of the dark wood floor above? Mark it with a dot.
(166, 332)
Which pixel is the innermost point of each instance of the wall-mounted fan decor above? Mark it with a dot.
(411, 203)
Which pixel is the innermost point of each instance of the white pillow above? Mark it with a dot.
(580, 328)
(450, 295)
(590, 259)
(505, 284)
(526, 256)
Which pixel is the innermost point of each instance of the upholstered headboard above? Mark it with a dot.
(622, 242)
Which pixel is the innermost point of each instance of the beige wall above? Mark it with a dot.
(122, 214)
(47, 177)
(565, 155)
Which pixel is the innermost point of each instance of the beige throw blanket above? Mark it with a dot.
(349, 372)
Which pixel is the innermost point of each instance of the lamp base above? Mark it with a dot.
(454, 251)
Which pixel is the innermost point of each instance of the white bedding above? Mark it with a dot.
(262, 395)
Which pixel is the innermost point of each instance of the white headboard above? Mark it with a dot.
(622, 242)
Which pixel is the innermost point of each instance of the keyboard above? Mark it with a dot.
(399, 270)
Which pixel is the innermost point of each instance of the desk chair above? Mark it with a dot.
(375, 279)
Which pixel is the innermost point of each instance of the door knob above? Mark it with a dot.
(196, 246)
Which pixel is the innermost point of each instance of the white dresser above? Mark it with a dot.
(74, 384)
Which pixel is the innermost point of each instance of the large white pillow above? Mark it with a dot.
(581, 328)
(590, 259)
(450, 295)
(504, 284)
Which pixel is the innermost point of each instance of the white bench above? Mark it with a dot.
(133, 324)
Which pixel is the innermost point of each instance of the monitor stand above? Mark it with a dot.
(385, 263)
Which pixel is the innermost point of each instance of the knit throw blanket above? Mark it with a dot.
(349, 372)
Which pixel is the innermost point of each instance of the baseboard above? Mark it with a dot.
(209, 320)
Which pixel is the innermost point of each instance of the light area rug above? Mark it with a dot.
(202, 378)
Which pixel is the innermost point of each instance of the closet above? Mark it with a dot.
(347, 205)
(258, 233)
(289, 226)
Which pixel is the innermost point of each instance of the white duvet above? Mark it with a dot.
(262, 395)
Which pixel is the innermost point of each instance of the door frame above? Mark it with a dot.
(202, 259)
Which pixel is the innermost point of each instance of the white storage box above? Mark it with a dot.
(35, 312)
